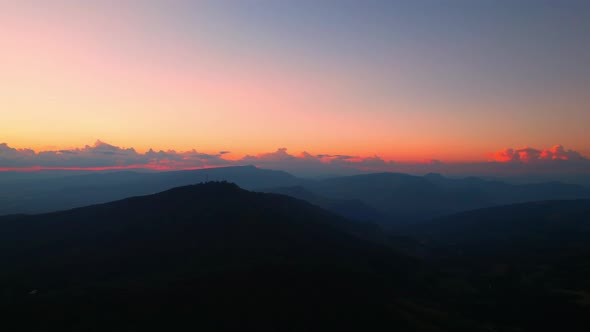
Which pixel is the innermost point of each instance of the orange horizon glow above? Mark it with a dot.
(102, 156)
(416, 157)
(142, 77)
(103, 168)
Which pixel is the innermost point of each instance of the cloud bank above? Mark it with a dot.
(104, 156)
(528, 154)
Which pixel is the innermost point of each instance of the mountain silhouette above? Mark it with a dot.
(407, 199)
(64, 192)
(522, 265)
(353, 209)
(391, 199)
(212, 256)
(561, 223)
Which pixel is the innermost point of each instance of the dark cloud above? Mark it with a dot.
(279, 155)
(10, 157)
(320, 164)
(339, 156)
(102, 155)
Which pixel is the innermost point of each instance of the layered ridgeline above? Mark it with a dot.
(390, 199)
(406, 198)
(209, 256)
(216, 257)
(38, 194)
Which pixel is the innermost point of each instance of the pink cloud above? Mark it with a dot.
(320, 163)
(559, 152)
(104, 156)
(528, 154)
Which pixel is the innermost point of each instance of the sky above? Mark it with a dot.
(394, 82)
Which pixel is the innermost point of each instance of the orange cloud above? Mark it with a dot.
(102, 156)
(528, 154)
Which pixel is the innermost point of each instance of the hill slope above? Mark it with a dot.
(216, 257)
(539, 225)
(522, 265)
(211, 256)
(349, 208)
(391, 199)
(406, 198)
(39, 195)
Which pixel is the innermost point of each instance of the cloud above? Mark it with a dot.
(13, 157)
(309, 164)
(104, 156)
(279, 155)
(528, 154)
(558, 152)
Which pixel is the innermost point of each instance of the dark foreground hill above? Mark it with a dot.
(523, 266)
(204, 257)
(536, 228)
(216, 257)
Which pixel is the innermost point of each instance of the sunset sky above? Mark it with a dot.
(408, 81)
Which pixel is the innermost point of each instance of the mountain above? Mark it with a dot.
(210, 256)
(393, 200)
(39, 194)
(349, 208)
(214, 256)
(561, 224)
(406, 198)
(521, 265)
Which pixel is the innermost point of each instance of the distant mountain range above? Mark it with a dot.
(39, 195)
(214, 256)
(209, 256)
(354, 209)
(390, 199)
(405, 198)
